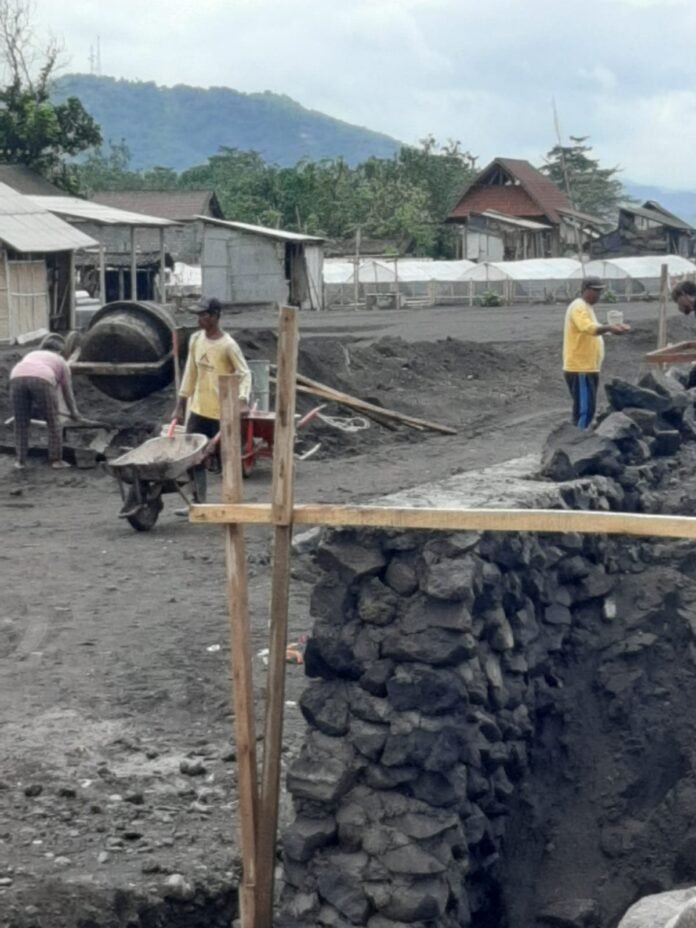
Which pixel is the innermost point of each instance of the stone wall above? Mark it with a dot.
(434, 660)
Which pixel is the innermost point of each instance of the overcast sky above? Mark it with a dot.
(480, 71)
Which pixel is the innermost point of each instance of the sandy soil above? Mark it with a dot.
(117, 764)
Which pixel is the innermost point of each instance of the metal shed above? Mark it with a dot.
(247, 265)
(37, 260)
(95, 218)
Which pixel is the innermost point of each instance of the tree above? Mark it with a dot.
(593, 190)
(33, 130)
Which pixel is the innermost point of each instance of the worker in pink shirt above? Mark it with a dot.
(37, 382)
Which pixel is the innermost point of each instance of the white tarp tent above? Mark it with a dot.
(630, 277)
(415, 279)
(535, 280)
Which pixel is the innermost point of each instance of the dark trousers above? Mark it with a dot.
(32, 394)
(201, 425)
(583, 388)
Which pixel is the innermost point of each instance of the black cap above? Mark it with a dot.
(207, 304)
(592, 283)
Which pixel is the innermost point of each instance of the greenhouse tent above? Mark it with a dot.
(640, 276)
(536, 280)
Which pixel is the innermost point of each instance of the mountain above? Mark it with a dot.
(680, 202)
(179, 127)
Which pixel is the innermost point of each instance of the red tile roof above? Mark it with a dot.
(534, 195)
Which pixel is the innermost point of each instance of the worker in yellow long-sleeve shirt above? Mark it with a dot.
(583, 350)
(211, 352)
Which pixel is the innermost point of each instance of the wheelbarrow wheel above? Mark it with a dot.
(144, 519)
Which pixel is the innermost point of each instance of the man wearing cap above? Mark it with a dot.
(583, 350)
(211, 352)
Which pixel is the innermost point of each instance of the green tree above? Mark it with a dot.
(33, 130)
(108, 170)
(593, 189)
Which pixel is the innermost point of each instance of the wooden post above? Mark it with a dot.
(162, 270)
(134, 266)
(240, 639)
(282, 502)
(102, 272)
(662, 320)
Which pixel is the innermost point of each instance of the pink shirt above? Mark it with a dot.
(46, 365)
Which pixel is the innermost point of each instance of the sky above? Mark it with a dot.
(483, 72)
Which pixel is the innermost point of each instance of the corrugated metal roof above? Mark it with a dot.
(169, 204)
(657, 213)
(27, 182)
(88, 211)
(510, 221)
(278, 234)
(28, 227)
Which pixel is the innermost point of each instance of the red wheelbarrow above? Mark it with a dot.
(258, 435)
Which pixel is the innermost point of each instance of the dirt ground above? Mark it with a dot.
(117, 769)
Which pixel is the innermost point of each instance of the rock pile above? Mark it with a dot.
(431, 657)
(643, 422)
(434, 658)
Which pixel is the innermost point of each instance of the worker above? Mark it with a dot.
(39, 382)
(684, 295)
(211, 352)
(583, 350)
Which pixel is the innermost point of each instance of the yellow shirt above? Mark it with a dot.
(207, 359)
(583, 349)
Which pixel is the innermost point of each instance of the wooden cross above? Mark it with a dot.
(258, 813)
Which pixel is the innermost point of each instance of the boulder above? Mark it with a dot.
(621, 394)
(570, 913)
(661, 383)
(570, 452)
(306, 835)
(618, 426)
(674, 909)
(645, 419)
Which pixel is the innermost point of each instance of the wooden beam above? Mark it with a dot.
(370, 409)
(134, 266)
(489, 520)
(111, 369)
(240, 638)
(282, 497)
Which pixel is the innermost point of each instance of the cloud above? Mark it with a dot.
(481, 73)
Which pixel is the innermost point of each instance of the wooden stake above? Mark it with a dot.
(662, 320)
(242, 682)
(281, 507)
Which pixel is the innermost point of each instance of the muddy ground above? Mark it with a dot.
(117, 769)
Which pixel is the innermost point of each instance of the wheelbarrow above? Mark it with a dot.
(158, 466)
(258, 436)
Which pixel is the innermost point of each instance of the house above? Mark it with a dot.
(37, 268)
(649, 229)
(123, 263)
(512, 211)
(247, 265)
(183, 241)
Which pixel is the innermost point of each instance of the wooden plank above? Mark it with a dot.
(489, 520)
(109, 369)
(282, 497)
(345, 399)
(240, 638)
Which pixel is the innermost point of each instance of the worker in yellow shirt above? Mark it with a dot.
(211, 352)
(583, 350)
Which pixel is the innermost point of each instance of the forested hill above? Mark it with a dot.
(181, 126)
